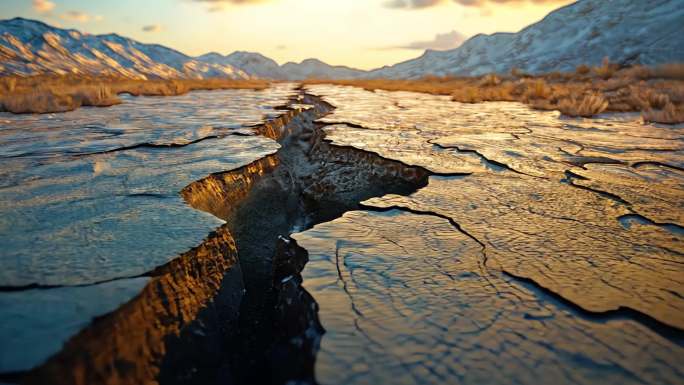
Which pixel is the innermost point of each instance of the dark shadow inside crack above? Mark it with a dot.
(670, 333)
(627, 220)
(308, 181)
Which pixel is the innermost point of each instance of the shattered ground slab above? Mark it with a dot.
(578, 219)
(90, 205)
(567, 240)
(405, 299)
(539, 247)
(539, 143)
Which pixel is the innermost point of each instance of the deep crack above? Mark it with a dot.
(671, 333)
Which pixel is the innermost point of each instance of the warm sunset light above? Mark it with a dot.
(341, 192)
(359, 33)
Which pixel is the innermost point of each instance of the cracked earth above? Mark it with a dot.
(358, 237)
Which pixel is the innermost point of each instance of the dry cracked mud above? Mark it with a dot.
(359, 237)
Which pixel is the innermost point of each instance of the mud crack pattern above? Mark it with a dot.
(557, 252)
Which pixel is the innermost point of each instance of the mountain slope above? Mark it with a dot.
(258, 65)
(29, 47)
(625, 31)
(314, 68)
(252, 63)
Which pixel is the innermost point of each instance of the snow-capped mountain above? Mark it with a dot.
(314, 68)
(626, 31)
(29, 47)
(254, 64)
(258, 65)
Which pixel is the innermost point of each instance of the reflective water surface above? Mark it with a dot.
(542, 247)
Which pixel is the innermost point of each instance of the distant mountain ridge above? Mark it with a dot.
(584, 32)
(30, 47)
(261, 66)
(254, 64)
(314, 68)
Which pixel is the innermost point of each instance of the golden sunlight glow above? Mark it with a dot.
(360, 33)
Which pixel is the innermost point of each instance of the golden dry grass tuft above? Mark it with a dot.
(669, 114)
(605, 70)
(656, 92)
(586, 105)
(536, 89)
(43, 94)
(669, 71)
(583, 69)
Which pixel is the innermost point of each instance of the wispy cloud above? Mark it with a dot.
(76, 16)
(441, 42)
(418, 4)
(231, 1)
(43, 6)
(152, 28)
(414, 4)
(81, 17)
(220, 5)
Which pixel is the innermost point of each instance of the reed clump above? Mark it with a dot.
(44, 94)
(658, 92)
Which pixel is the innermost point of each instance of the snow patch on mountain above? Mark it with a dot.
(29, 47)
(258, 65)
(254, 64)
(316, 69)
(625, 31)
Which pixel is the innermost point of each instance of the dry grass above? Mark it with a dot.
(606, 70)
(535, 89)
(656, 92)
(669, 114)
(669, 71)
(42, 94)
(585, 105)
(49, 100)
(583, 69)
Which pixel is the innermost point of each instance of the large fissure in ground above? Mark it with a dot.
(206, 318)
(232, 310)
(308, 181)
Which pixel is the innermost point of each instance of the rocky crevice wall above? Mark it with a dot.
(232, 309)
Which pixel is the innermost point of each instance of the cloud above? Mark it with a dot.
(42, 6)
(414, 4)
(220, 5)
(417, 4)
(76, 16)
(230, 1)
(80, 17)
(152, 28)
(441, 42)
(481, 3)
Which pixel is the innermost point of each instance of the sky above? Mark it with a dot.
(364, 34)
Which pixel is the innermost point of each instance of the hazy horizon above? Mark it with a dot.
(365, 35)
